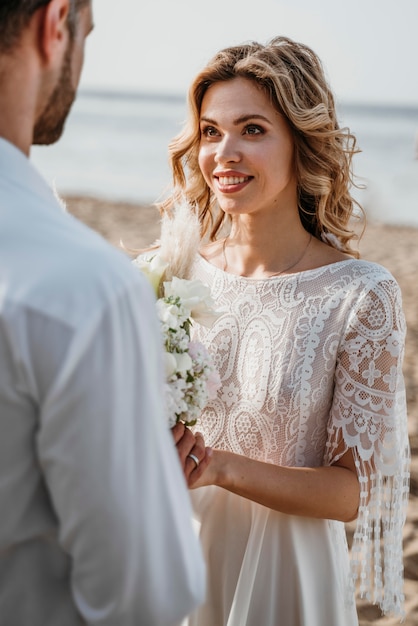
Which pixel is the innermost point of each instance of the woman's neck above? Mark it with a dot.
(258, 250)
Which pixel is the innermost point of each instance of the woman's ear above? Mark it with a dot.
(53, 30)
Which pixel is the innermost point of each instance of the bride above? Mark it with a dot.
(308, 430)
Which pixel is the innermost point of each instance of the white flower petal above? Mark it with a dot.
(170, 364)
(184, 362)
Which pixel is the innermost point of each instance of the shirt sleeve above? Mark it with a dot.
(369, 416)
(113, 473)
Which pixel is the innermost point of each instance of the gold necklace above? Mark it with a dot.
(286, 269)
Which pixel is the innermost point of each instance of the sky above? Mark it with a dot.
(369, 48)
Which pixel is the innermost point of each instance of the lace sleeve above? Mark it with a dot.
(369, 415)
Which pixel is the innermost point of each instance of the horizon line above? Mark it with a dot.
(117, 92)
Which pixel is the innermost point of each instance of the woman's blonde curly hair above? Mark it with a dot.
(292, 77)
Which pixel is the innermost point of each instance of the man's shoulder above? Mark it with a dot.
(90, 269)
(79, 244)
(60, 265)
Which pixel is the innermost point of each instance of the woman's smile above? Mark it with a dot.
(231, 182)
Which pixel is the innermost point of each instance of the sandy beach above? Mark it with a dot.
(394, 247)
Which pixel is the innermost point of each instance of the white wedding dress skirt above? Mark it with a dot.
(270, 569)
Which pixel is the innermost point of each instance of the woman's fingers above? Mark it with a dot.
(193, 454)
(198, 471)
(178, 431)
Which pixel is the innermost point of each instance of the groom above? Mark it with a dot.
(94, 510)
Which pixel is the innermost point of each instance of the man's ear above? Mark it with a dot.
(53, 29)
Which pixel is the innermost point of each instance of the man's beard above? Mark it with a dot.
(50, 124)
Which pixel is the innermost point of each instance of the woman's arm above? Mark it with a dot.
(320, 492)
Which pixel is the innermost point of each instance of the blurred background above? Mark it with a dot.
(141, 58)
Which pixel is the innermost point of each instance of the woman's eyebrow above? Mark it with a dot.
(240, 120)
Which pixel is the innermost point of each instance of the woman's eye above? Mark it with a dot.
(209, 131)
(253, 129)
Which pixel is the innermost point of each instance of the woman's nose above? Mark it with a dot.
(227, 150)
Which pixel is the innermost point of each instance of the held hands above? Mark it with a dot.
(194, 456)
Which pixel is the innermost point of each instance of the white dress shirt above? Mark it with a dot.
(95, 517)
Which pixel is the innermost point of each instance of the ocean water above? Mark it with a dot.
(115, 147)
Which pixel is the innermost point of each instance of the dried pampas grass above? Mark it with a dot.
(179, 240)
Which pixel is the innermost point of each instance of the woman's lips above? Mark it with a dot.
(232, 182)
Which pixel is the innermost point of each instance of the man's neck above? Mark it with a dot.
(18, 104)
(15, 137)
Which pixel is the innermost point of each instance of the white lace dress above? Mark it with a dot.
(307, 361)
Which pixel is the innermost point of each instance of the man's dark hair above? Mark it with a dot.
(16, 14)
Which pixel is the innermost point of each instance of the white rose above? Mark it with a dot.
(153, 267)
(195, 297)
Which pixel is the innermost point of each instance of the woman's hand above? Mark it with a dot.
(194, 456)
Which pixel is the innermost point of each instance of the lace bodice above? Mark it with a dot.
(311, 365)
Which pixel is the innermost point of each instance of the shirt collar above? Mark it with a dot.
(16, 167)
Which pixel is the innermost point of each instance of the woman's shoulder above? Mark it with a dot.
(375, 272)
(369, 286)
(333, 258)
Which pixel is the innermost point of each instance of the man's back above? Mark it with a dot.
(88, 471)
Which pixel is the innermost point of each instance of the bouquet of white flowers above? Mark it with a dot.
(191, 378)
